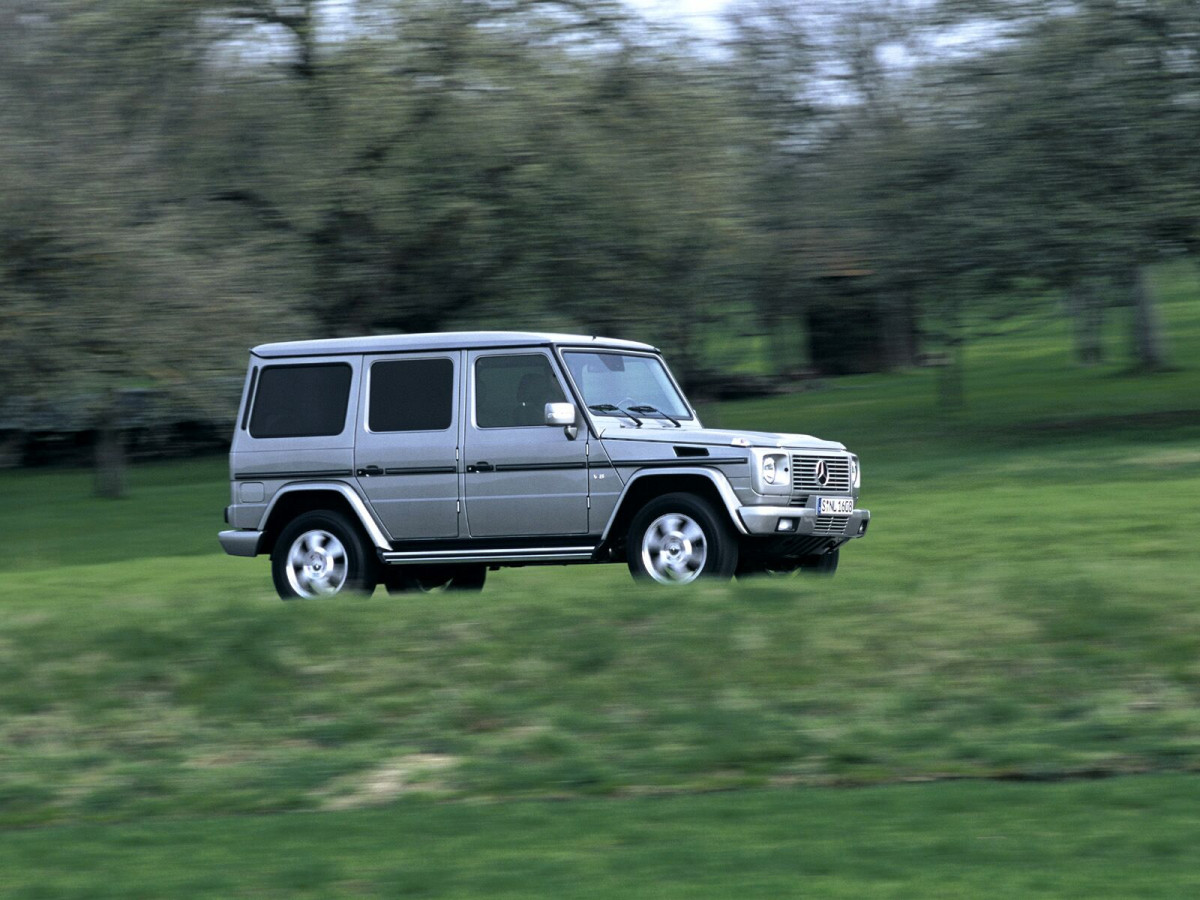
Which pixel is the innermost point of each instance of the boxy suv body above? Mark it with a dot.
(423, 461)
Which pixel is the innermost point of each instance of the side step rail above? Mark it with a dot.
(484, 555)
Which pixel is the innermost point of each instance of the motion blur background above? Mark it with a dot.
(959, 236)
(776, 189)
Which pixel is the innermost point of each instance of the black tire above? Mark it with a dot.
(825, 564)
(427, 579)
(784, 568)
(320, 554)
(677, 538)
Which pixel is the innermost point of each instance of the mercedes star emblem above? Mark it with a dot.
(821, 473)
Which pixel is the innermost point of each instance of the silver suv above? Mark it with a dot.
(422, 461)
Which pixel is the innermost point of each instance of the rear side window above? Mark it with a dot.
(512, 391)
(411, 395)
(301, 401)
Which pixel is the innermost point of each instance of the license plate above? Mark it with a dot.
(835, 506)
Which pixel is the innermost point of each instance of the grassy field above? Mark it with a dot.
(1120, 839)
(1026, 606)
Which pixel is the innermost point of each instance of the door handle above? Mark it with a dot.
(367, 471)
(481, 466)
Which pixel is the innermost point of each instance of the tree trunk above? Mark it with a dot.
(897, 332)
(1085, 303)
(1148, 339)
(777, 328)
(109, 473)
(952, 393)
(787, 339)
(951, 387)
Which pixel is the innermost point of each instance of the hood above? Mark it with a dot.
(713, 437)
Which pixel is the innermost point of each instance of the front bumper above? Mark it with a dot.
(240, 543)
(796, 520)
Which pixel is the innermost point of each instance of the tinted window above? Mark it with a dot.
(249, 398)
(512, 391)
(412, 395)
(301, 401)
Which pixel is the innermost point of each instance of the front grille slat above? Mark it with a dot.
(804, 475)
(830, 525)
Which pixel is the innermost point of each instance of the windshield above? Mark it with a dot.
(615, 384)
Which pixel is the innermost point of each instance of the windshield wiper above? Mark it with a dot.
(608, 407)
(646, 408)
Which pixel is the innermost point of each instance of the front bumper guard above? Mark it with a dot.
(765, 520)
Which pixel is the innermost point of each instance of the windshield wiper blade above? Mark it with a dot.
(608, 407)
(646, 408)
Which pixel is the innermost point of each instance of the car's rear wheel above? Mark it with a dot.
(677, 538)
(320, 554)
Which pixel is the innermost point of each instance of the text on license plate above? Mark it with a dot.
(835, 506)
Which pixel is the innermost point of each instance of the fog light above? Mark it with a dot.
(786, 525)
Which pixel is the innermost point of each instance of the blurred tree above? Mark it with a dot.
(772, 68)
(184, 177)
(468, 161)
(814, 76)
(1086, 117)
(104, 286)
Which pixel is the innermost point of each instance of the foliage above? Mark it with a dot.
(209, 174)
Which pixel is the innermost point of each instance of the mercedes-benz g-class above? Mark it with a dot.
(424, 460)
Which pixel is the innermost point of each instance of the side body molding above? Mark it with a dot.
(356, 503)
(717, 477)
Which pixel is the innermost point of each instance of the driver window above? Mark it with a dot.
(512, 391)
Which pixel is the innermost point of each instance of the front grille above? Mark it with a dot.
(798, 500)
(804, 475)
(830, 525)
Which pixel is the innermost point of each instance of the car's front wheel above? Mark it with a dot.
(677, 538)
(320, 554)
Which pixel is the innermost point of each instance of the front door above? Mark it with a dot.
(406, 452)
(523, 477)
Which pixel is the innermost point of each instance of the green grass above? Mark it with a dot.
(50, 518)
(1124, 838)
(1026, 604)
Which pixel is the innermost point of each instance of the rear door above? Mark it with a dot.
(406, 453)
(522, 477)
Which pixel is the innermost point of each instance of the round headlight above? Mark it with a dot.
(857, 470)
(768, 469)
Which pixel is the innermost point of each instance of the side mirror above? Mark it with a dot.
(560, 414)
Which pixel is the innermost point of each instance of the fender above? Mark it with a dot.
(717, 477)
(356, 503)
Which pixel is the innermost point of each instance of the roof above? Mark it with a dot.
(447, 340)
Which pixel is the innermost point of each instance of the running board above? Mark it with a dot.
(512, 554)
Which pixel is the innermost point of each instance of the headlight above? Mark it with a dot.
(773, 469)
(856, 472)
(768, 469)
